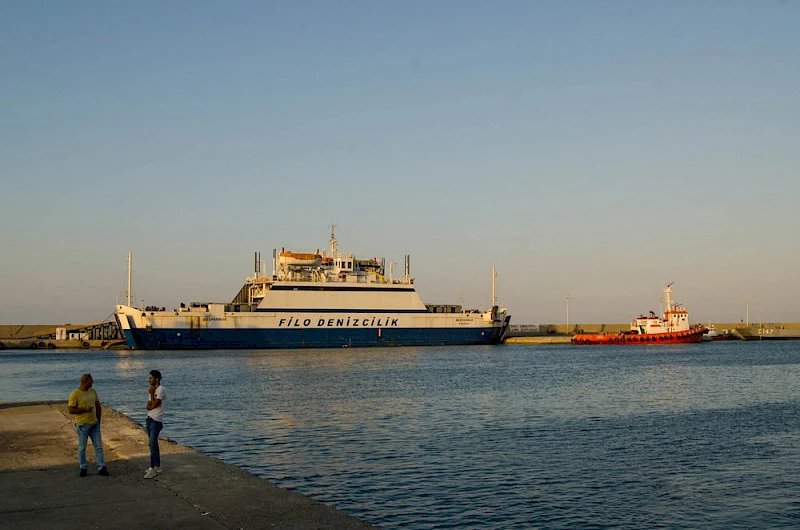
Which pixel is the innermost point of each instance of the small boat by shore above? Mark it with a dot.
(712, 335)
(672, 328)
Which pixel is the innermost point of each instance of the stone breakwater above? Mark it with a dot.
(40, 486)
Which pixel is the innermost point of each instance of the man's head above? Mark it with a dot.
(86, 381)
(155, 377)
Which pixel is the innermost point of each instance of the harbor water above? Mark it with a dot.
(512, 436)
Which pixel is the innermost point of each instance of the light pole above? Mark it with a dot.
(747, 313)
(567, 314)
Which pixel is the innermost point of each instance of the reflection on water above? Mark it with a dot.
(484, 437)
(130, 366)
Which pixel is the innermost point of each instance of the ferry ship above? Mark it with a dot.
(315, 300)
(673, 328)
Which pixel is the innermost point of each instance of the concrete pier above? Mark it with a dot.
(543, 339)
(40, 486)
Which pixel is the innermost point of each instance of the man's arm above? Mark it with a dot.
(80, 410)
(98, 408)
(154, 402)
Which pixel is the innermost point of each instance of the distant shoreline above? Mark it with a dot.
(28, 331)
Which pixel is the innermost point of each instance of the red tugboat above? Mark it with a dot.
(671, 329)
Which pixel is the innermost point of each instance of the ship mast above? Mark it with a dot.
(334, 244)
(667, 297)
(128, 292)
(494, 290)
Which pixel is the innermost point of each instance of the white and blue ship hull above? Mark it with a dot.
(335, 329)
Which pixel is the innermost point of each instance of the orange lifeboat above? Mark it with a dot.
(299, 259)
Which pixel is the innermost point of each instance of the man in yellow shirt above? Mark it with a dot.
(85, 405)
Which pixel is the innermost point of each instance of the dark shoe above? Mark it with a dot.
(82, 473)
(103, 471)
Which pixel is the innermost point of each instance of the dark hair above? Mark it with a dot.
(156, 374)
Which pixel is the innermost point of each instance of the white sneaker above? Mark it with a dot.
(151, 473)
(157, 469)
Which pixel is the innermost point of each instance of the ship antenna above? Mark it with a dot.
(667, 297)
(334, 245)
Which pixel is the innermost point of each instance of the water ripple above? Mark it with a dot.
(698, 436)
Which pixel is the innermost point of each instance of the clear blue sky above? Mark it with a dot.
(600, 149)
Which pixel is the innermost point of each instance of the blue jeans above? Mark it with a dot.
(84, 433)
(153, 428)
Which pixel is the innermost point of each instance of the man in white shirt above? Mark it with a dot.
(156, 403)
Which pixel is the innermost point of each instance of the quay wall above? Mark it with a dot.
(102, 334)
(26, 331)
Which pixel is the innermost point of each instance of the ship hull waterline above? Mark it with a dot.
(166, 339)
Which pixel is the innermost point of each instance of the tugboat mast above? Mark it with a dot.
(667, 297)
